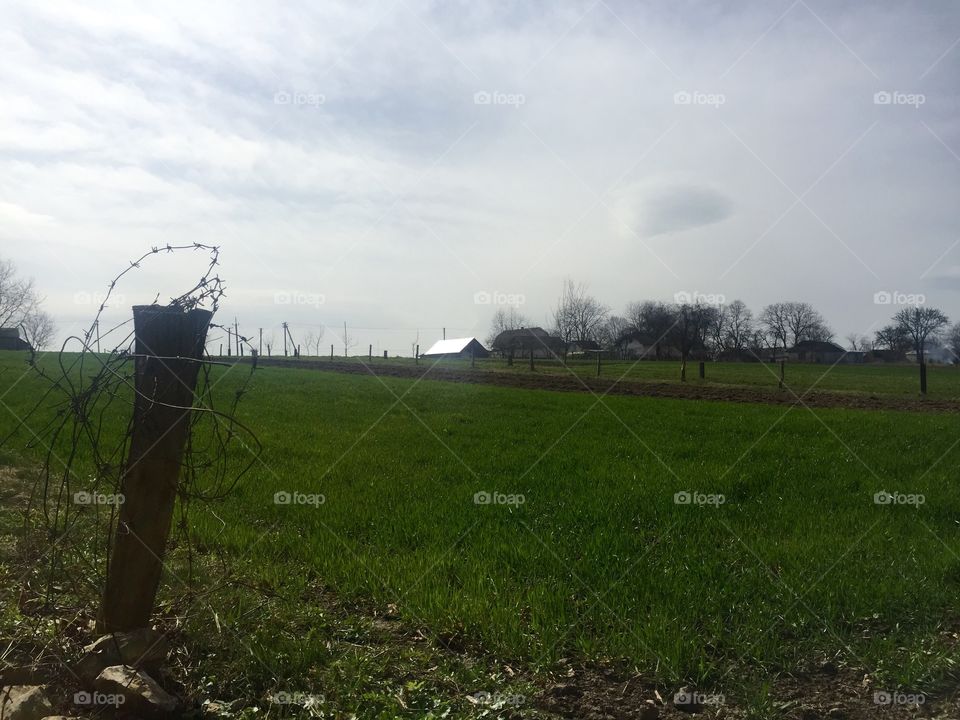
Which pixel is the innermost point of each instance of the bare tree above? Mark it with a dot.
(578, 316)
(38, 329)
(349, 341)
(20, 308)
(654, 319)
(922, 325)
(805, 323)
(788, 323)
(858, 342)
(773, 319)
(615, 333)
(892, 337)
(692, 327)
(320, 333)
(504, 319)
(18, 298)
(739, 327)
(718, 329)
(953, 342)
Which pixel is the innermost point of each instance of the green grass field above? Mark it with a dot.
(585, 551)
(900, 380)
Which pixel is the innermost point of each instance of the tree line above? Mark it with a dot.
(693, 327)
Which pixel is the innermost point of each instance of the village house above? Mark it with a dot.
(822, 351)
(522, 341)
(458, 348)
(10, 340)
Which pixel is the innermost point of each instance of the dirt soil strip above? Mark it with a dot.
(612, 386)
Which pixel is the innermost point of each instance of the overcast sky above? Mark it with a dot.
(384, 163)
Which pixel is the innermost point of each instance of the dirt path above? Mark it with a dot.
(611, 386)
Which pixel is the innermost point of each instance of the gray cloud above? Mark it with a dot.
(121, 128)
(682, 207)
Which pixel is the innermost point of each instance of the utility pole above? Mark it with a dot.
(260, 348)
(284, 339)
(236, 334)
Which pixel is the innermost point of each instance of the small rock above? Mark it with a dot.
(24, 702)
(566, 690)
(648, 712)
(140, 692)
(828, 668)
(137, 648)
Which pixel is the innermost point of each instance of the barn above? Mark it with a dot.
(463, 348)
(522, 341)
(818, 351)
(10, 340)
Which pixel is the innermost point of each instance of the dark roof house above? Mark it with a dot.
(821, 351)
(10, 340)
(524, 340)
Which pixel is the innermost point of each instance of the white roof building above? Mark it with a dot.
(457, 347)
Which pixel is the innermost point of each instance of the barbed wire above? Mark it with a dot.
(82, 422)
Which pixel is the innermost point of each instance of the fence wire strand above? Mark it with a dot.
(82, 423)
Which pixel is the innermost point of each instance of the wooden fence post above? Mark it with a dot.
(683, 370)
(598, 363)
(169, 346)
(331, 351)
(416, 356)
(384, 354)
(783, 373)
(923, 377)
(370, 353)
(531, 358)
(703, 370)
